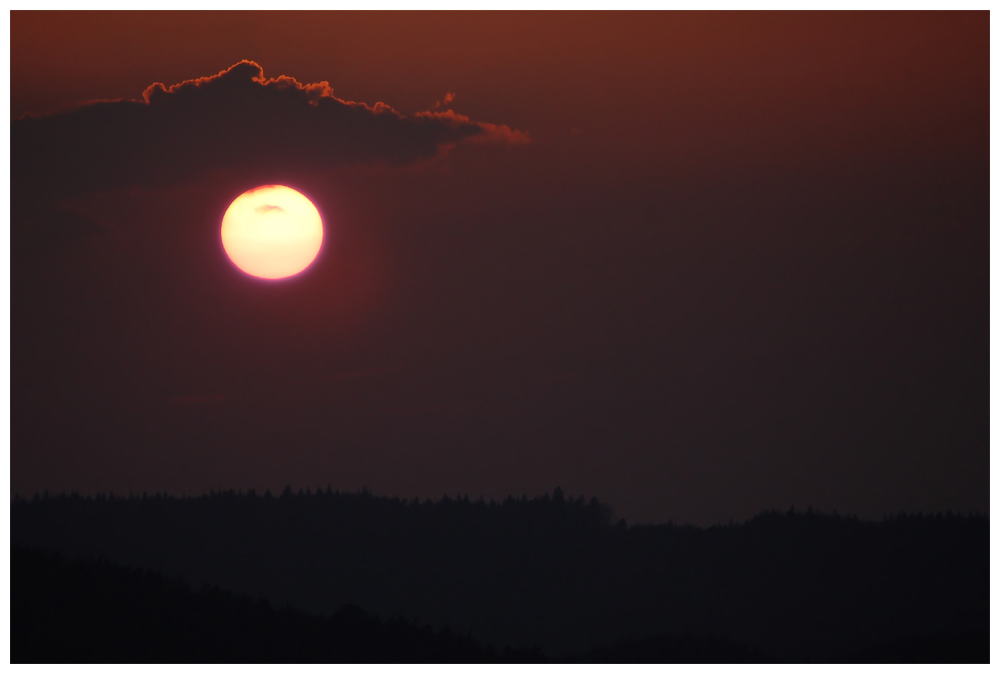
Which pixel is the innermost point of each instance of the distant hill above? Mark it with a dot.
(558, 573)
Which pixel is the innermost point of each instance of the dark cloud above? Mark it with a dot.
(267, 208)
(237, 120)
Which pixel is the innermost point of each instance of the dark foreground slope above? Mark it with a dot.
(66, 611)
(556, 573)
(95, 611)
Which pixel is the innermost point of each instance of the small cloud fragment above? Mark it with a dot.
(447, 100)
(267, 208)
(489, 133)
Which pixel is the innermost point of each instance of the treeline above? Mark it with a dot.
(553, 571)
(557, 507)
(543, 510)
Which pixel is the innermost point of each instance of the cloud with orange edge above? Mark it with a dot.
(236, 121)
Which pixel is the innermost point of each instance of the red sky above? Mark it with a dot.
(741, 264)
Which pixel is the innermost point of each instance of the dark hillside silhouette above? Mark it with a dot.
(557, 572)
(90, 611)
(96, 611)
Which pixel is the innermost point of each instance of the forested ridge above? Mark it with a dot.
(556, 574)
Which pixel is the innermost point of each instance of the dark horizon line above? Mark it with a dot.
(556, 496)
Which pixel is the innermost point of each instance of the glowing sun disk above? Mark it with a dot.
(272, 232)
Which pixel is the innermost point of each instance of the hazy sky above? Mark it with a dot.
(695, 264)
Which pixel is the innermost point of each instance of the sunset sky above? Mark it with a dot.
(697, 264)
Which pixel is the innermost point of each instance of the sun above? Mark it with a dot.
(272, 232)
